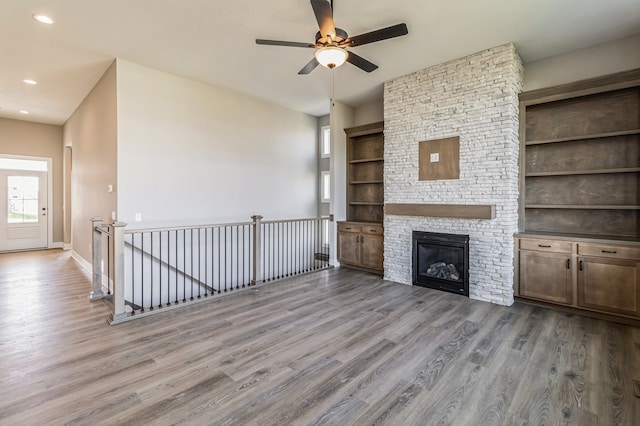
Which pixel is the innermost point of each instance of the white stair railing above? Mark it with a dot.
(144, 271)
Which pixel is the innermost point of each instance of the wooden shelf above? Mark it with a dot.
(364, 182)
(456, 211)
(584, 172)
(584, 137)
(366, 160)
(582, 206)
(364, 203)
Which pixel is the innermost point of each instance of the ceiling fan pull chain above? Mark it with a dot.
(333, 84)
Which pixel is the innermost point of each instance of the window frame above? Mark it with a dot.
(325, 141)
(325, 186)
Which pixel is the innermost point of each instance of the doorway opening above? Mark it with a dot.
(25, 204)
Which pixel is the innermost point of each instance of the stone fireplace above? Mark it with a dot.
(476, 99)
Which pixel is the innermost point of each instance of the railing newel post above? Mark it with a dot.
(96, 264)
(117, 230)
(257, 249)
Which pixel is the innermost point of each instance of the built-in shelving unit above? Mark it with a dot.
(579, 245)
(365, 163)
(580, 158)
(361, 238)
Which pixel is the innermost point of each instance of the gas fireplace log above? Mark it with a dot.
(443, 271)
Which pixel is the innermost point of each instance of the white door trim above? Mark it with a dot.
(49, 191)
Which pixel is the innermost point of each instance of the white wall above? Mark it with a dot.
(341, 117)
(372, 112)
(91, 132)
(190, 153)
(324, 164)
(594, 61)
(38, 140)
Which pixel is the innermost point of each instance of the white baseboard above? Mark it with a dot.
(83, 263)
(89, 269)
(67, 246)
(56, 245)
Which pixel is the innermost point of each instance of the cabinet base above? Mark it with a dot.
(581, 311)
(363, 269)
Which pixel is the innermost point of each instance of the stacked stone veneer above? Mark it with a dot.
(475, 98)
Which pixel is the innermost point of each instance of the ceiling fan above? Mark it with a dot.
(331, 42)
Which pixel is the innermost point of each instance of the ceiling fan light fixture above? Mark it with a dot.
(331, 56)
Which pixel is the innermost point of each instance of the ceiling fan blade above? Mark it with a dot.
(361, 62)
(324, 16)
(283, 43)
(377, 35)
(309, 67)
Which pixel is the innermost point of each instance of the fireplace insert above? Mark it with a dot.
(441, 261)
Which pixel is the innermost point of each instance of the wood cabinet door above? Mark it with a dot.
(609, 285)
(372, 251)
(546, 276)
(349, 247)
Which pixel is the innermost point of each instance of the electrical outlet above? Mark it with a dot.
(113, 215)
(138, 217)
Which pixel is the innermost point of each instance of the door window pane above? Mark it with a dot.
(23, 199)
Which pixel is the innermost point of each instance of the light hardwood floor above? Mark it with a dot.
(337, 347)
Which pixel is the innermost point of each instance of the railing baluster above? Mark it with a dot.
(177, 266)
(199, 274)
(244, 253)
(160, 264)
(133, 274)
(237, 261)
(206, 263)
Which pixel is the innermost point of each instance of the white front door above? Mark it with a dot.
(23, 210)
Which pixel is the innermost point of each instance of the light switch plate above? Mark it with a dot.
(138, 217)
(434, 157)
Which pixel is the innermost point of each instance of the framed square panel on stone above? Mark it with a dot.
(439, 159)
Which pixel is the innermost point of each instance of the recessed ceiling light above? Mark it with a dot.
(28, 81)
(43, 18)
(22, 111)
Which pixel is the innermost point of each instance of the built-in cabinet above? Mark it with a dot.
(579, 240)
(545, 270)
(361, 245)
(595, 275)
(360, 238)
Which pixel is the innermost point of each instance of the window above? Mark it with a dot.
(325, 141)
(23, 199)
(325, 187)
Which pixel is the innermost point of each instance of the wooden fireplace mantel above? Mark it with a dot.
(455, 211)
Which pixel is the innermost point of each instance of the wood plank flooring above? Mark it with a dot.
(338, 347)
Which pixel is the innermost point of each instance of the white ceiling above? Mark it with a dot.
(213, 41)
